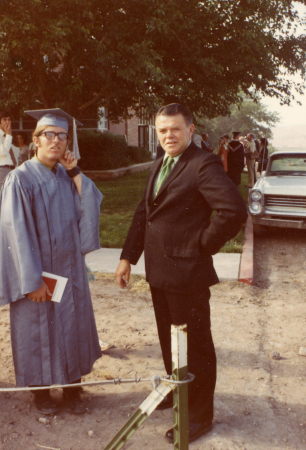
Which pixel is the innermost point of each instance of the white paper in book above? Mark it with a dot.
(58, 289)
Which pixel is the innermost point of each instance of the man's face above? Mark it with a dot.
(50, 149)
(5, 122)
(19, 140)
(249, 137)
(173, 133)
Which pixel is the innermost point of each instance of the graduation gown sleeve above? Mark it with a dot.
(89, 207)
(20, 260)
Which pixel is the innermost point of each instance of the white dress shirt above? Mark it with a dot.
(5, 146)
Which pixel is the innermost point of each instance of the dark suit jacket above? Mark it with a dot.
(177, 230)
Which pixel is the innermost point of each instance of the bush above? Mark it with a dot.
(102, 151)
(138, 154)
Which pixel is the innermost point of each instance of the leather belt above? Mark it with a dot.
(8, 167)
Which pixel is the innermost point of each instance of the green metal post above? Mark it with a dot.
(180, 394)
(180, 397)
(143, 412)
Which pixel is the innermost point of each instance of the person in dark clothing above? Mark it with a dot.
(205, 144)
(174, 226)
(263, 155)
(235, 158)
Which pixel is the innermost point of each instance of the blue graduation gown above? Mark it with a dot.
(45, 225)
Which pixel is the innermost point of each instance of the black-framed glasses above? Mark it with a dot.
(50, 135)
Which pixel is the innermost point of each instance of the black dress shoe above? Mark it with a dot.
(166, 403)
(44, 403)
(195, 431)
(73, 402)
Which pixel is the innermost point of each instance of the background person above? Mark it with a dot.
(223, 152)
(20, 141)
(175, 227)
(205, 145)
(250, 157)
(263, 154)
(235, 158)
(8, 153)
(49, 220)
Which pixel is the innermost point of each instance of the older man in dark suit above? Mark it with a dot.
(175, 227)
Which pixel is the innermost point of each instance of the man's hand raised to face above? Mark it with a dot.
(68, 160)
(123, 272)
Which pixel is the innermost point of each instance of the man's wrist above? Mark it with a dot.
(73, 172)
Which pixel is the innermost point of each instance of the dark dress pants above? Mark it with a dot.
(235, 176)
(193, 309)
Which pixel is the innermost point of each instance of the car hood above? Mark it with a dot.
(282, 185)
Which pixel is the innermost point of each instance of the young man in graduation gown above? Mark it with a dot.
(49, 220)
(235, 158)
(175, 227)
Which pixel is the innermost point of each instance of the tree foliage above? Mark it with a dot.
(133, 53)
(247, 117)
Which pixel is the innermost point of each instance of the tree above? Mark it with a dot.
(140, 53)
(247, 117)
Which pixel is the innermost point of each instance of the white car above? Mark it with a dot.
(278, 198)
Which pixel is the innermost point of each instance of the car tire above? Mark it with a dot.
(259, 230)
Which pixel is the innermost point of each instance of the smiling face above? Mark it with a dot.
(49, 151)
(173, 133)
(5, 122)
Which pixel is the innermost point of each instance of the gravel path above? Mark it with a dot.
(261, 390)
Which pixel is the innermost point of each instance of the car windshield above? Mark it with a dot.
(288, 165)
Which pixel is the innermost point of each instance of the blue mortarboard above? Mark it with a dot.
(56, 117)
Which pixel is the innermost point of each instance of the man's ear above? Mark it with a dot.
(36, 140)
(192, 128)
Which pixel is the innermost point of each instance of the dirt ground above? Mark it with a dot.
(260, 401)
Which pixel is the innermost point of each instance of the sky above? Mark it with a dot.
(290, 131)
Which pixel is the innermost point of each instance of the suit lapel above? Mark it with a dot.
(177, 169)
(155, 169)
(179, 166)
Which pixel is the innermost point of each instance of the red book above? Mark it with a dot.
(56, 285)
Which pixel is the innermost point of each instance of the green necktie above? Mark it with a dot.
(163, 173)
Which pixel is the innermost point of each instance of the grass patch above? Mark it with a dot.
(235, 245)
(122, 195)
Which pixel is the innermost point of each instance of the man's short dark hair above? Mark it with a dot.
(236, 134)
(4, 114)
(176, 108)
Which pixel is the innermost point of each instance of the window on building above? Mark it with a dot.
(147, 138)
(102, 124)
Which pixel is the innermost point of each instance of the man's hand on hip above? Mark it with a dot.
(123, 272)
